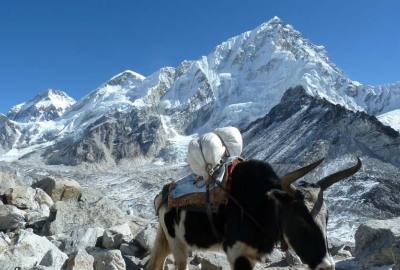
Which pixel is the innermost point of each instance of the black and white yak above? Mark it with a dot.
(263, 211)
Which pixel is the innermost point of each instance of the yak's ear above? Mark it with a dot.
(279, 196)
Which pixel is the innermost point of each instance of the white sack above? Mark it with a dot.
(232, 139)
(213, 149)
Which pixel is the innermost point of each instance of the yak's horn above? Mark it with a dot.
(336, 177)
(288, 179)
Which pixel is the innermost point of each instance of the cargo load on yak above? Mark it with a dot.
(212, 149)
(212, 158)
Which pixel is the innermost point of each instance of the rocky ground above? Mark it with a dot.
(55, 223)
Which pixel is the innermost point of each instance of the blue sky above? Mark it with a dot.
(76, 45)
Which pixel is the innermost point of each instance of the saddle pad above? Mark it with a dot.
(194, 184)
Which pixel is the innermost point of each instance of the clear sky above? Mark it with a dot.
(76, 45)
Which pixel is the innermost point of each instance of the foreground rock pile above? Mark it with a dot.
(56, 224)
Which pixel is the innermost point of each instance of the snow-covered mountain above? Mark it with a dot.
(237, 83)
(391, 118)
(291, 102)
(46, 106)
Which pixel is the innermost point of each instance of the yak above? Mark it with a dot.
(263, 211)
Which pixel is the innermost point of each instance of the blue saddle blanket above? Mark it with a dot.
(195, 184)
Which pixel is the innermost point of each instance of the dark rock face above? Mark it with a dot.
(9, 133)
(112, 138)
(301, 127)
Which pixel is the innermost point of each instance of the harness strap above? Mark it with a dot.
(209, 213)
(244, 212)
(223, 143)
(209, 169)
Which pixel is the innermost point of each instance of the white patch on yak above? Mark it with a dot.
(326, 264)
(240, 249)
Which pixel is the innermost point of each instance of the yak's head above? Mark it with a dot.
(304, 215)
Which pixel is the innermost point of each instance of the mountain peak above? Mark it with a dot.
(275, 20)
(45, 106)
(126, 77)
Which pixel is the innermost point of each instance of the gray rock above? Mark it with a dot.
(35, 202)
(11, 217)
(137, 224)
(396, 255)
(53, 258)
(7, 181)
(147, 236)
(128, 250)
(107, 259)
(22, 197)
(374, 241)
(134, 263)
(80, 260)
(5, 242)
(116, 235)
(73, 215)
(80, 239)
(342, 254)
(60, 188)
(28, 249)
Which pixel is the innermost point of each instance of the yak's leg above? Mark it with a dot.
(159, 252)
(242, 263)
(241, 256)
(180, 252)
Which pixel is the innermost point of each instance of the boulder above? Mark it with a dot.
(8, 181)
(134, 263)
(107, 259)
(374, 241)
(5, 242)
(78, 239)
(34, 201)
(116, 235)
(80, 260)
(396, 255)
(53, 258)
(27, 250)
(11, 217)
(137, 223)
(68, 216)
(147, 236)
(60, 189)
(127, 249)
(22, 197)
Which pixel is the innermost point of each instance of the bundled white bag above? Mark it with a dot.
(209, 149)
